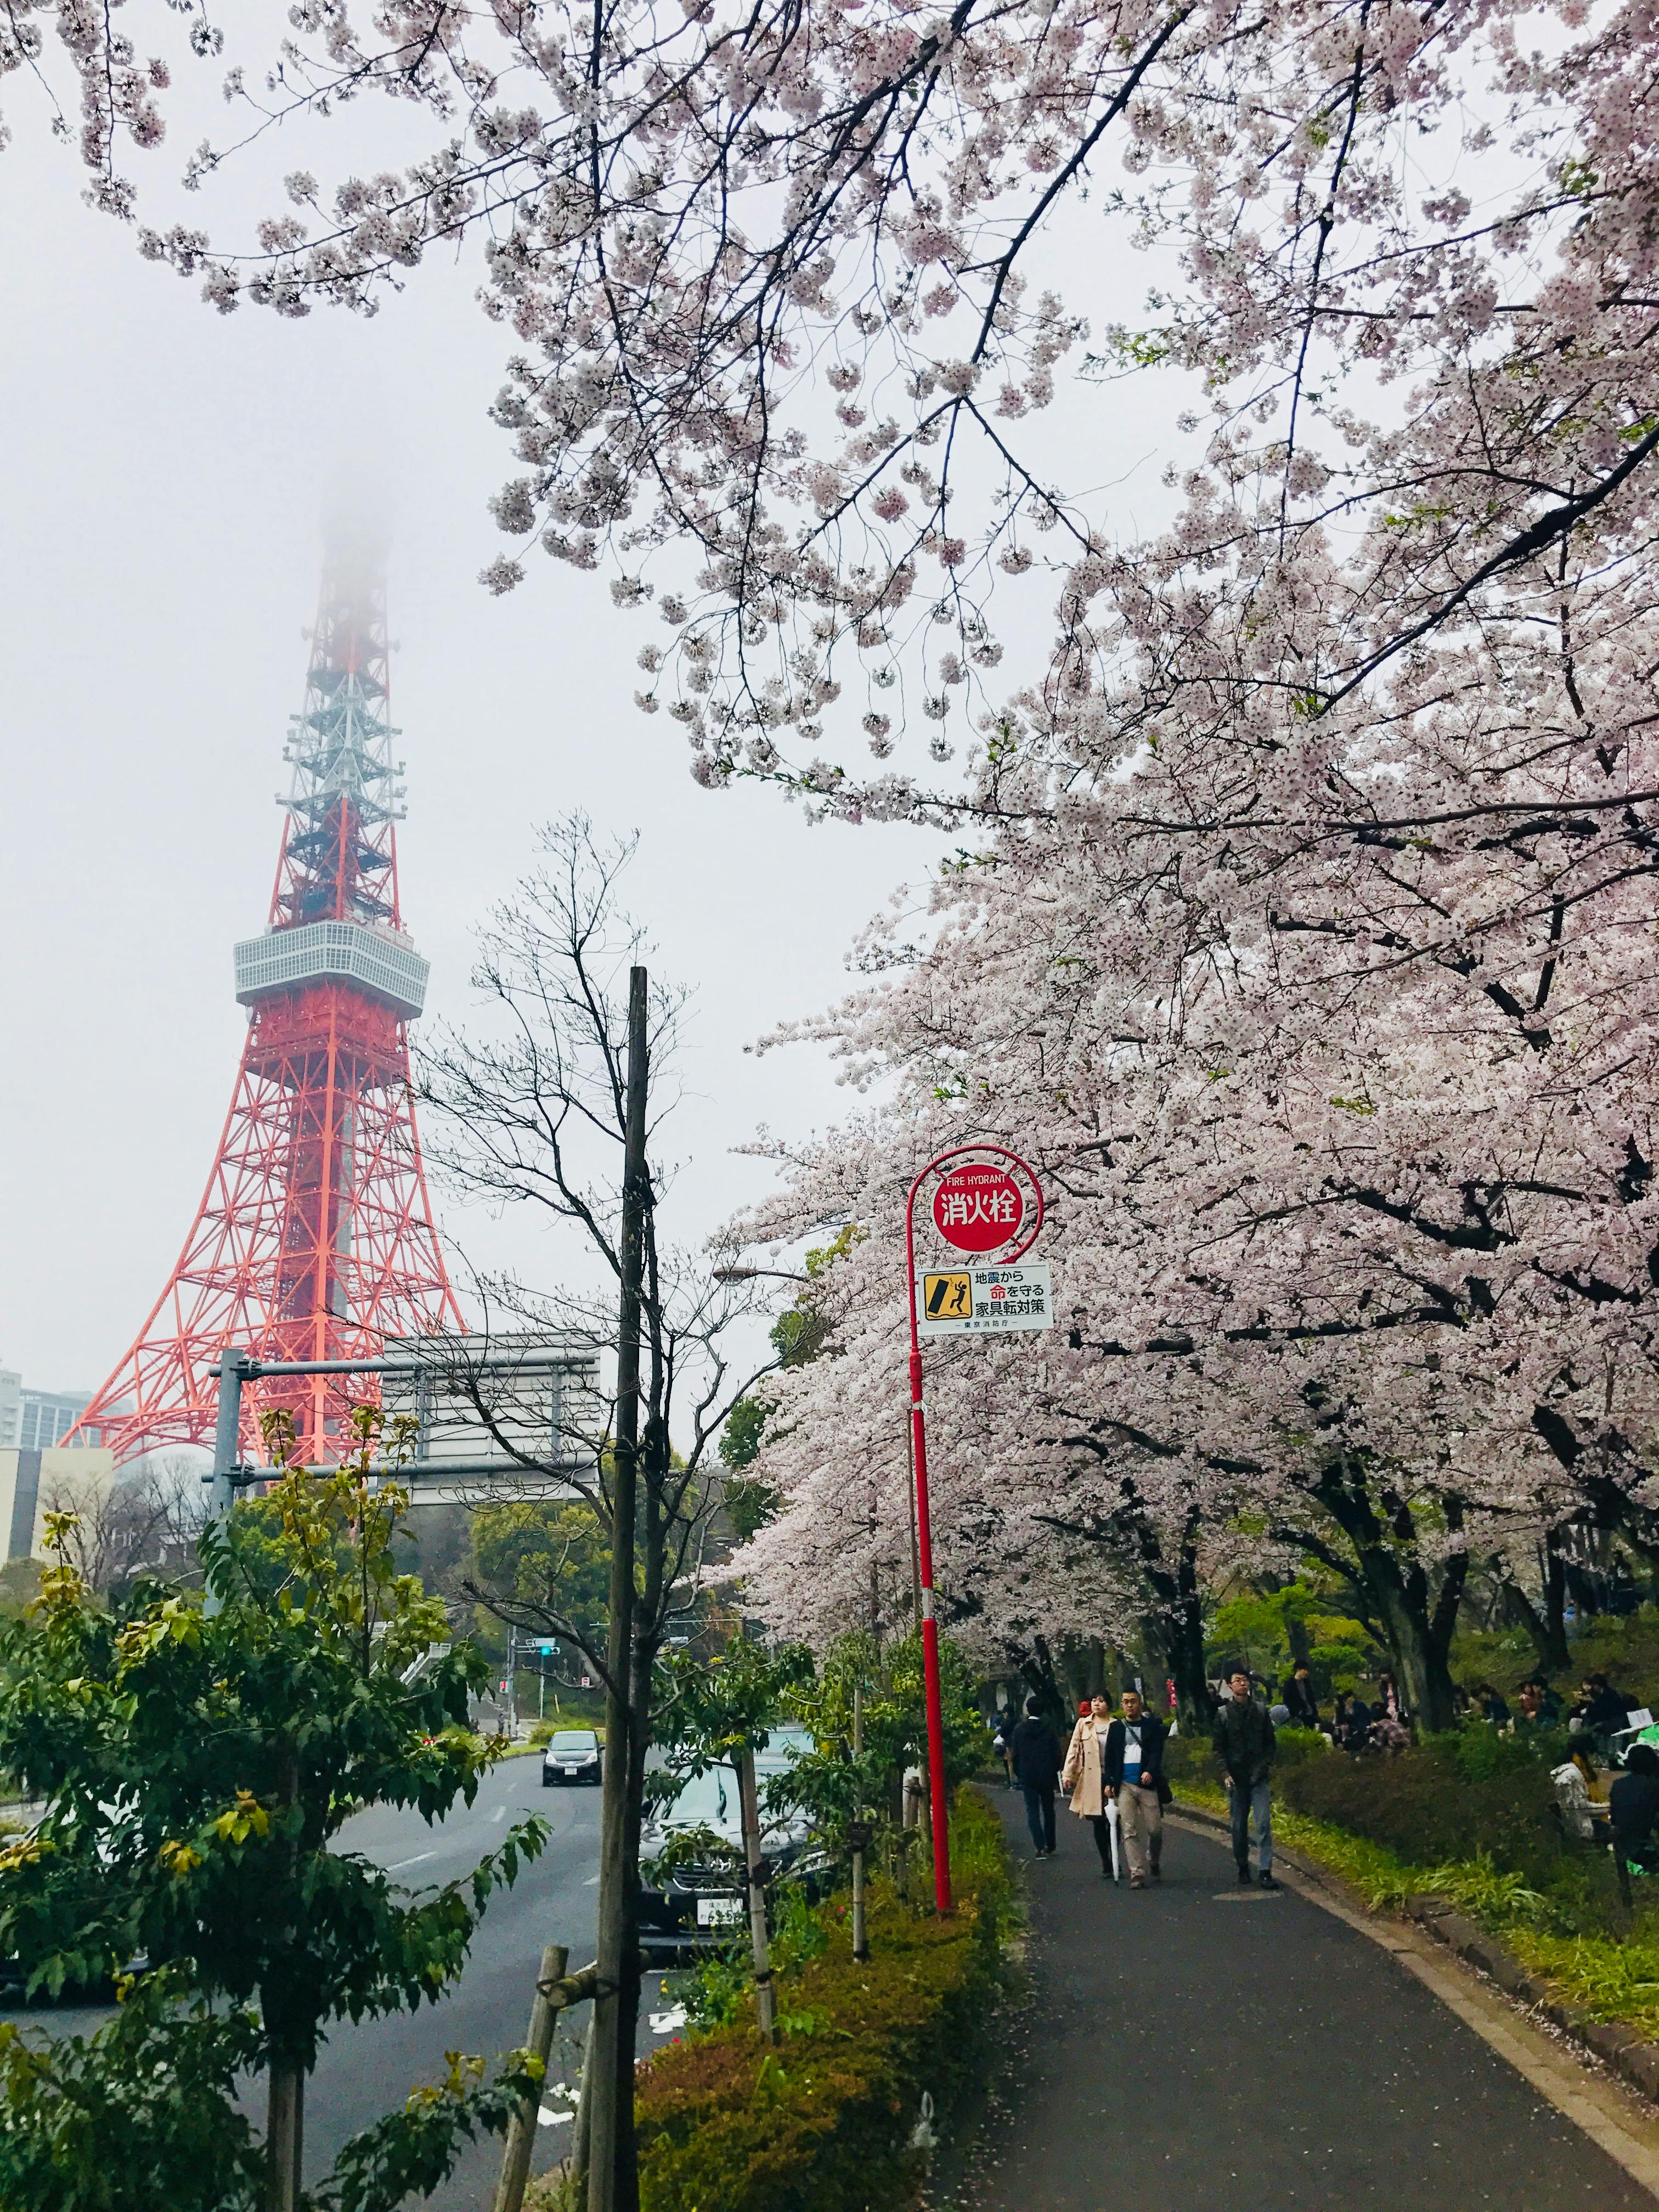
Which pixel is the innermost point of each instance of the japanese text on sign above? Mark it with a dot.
(986, 1300)
(963, 1209)
(978, 1207)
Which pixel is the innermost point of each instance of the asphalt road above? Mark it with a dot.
(1206, 2047)
(368, 2068)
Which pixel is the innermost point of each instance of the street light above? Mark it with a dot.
(748, 1275)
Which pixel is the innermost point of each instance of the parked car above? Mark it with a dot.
(572, 1755)
(695, 1901)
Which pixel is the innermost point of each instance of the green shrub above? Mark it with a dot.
(1467, 1796)
(822, 2123)
(1188, 1758)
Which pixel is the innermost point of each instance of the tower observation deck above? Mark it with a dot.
(314, 1239)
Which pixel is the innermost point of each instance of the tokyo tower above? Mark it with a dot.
(314, 1239)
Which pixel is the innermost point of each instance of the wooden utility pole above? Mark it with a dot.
(612, 2164)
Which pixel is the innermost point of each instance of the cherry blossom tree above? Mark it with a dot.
(811, 310)
(1350, 1151)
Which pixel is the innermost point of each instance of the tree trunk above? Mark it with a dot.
(860, 1933)
(613, 2168)
(284, 2133)
(1036, 1669)
(1174, 1639)
(1415, 1621)
(1398, 1599)
(1546, 1622)
(766, 2003)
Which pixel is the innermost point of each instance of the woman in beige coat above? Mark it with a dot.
(1083, 1775)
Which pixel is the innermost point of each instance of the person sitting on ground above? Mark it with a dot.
(1491, 1705)
(1134, 1769)
(1300, 1699)
(1244, 1746)
(1605, 1709)
(1578, 1786)
(1085, 1773)
(1350, 1722)
(1633, 1806)
(1036, 1768)
(1537, 1707)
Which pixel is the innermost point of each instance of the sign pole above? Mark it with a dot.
(980, 1240)
(925, 1573)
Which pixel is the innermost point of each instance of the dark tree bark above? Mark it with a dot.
(1409, 1609)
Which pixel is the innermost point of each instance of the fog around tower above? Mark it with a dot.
(171, 479)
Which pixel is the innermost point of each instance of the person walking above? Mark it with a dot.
(1001, 1743)
(1036, 1760)
(1085, 1774)
(1134, 1768)
(1244, 1745)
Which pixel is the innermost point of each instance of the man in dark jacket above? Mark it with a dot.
(1132, 1771)
(1244, 1745)
(1300, 1699)
(1633, 1803)
(1036, 1770)
(1604, 1713)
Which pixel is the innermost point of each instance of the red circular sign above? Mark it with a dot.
(977, 1208)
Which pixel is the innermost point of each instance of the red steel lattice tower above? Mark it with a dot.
(314, 1239)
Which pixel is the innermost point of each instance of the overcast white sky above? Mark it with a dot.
(166, 476)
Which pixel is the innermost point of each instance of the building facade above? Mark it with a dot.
(47, 1416)
(35, 1483)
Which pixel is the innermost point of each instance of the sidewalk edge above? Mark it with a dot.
(1635, 2060)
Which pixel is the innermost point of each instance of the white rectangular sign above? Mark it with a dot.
(972, 1300)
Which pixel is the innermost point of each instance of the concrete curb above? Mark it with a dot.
(1634, 2059)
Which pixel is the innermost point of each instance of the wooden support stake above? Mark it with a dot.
(554, 1991)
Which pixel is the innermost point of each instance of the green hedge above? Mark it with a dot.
(1471, 1794)
(822, 2123)
(1466, 1794)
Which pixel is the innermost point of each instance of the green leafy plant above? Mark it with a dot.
(825, 2122)
(195, 1768)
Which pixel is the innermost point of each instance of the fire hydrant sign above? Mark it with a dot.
(977, 1208)
(986, 1300)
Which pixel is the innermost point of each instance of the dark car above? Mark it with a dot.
(572, 1755)
(695, 1901)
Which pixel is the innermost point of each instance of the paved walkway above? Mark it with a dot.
(1202, 2048)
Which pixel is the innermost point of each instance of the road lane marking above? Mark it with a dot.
(419, 1859)
(592, 1882)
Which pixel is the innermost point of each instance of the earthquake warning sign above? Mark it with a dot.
(986, 1300)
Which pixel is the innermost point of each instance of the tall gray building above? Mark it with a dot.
(45, 1416)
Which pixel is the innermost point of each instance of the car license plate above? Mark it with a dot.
(570, 1773)
(719, 1911)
